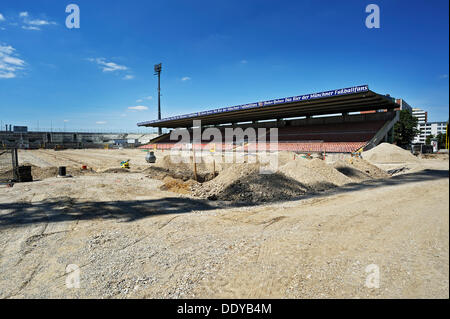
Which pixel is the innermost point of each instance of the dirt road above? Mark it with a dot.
(132, 240)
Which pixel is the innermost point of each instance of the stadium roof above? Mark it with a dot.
(353, 99)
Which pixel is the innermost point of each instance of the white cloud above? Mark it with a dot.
(6, 49)
(108, 66)
(138, 108)
(30, 28)
(13, 61)
(100, 122)
(186, 78)
(128, 77)
(40, 22)
(244, 61)
(33, 24)
(139, 101)
(2, 18)
(7, 75)
(10, 64)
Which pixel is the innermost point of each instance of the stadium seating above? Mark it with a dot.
(332, 138)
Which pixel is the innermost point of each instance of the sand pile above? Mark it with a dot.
(314, 174)
(350, 171)
(359, 170)
(388, 153)
(183, 168)
(368, 168)
(244, 183)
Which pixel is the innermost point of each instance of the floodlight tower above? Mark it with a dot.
(158, 73)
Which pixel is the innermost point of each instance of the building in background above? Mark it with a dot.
(427, 128)
(403, 105)
(420, 114)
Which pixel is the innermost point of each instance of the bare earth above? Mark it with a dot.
(131, 239)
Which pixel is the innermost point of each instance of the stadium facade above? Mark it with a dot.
(337, 121)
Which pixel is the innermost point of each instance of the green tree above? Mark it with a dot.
(428, 139)
(405, 129)
(441, 140)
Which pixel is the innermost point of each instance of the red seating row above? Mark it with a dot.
(329, 147)
(339, 137)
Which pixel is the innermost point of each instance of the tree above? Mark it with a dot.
(405, 129)
(428, 139)
(441, 140)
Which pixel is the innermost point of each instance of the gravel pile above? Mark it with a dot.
(177, 167)
(314, 174)
(364, 166)
(388, 153)
(359, 170)
(244, 183)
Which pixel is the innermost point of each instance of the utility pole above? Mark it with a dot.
(158, 73)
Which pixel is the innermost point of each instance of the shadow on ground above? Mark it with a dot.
(67, 209)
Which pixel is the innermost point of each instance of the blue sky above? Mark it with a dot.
(214, 54)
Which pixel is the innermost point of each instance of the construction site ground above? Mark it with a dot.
(142, 233)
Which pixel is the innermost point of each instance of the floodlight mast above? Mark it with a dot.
(158, 73)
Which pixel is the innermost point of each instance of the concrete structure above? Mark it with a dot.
(69, 139)
(402, 105)
(336, 121)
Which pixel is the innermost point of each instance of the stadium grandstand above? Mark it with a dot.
(336, 121)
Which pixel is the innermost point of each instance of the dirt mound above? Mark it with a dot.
(350, 171)
(359, 170)
(181, 173)
(176, 185)
(327, 171)
(244, 183)
(366, 167)
(314, 174)
(117, 170)
(388, 153)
